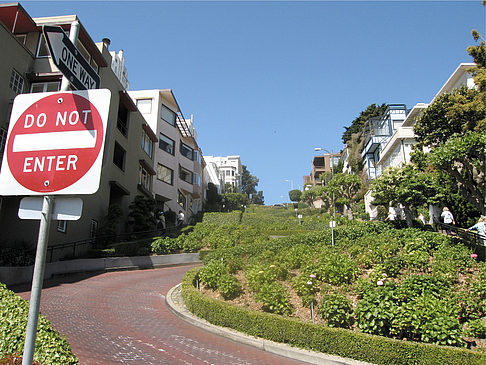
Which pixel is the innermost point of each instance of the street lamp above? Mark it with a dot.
(291, 186)
(331, 160)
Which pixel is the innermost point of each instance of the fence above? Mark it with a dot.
(471, 239)
(100, 241)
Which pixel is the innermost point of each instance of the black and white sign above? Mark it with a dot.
(69, 60)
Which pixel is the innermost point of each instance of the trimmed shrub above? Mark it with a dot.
(336, 310)
(335, 341)
(51, 347)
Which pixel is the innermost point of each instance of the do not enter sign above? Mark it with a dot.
(55, 143)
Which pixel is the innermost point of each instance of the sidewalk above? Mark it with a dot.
(176, 305)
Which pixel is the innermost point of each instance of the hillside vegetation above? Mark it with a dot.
(406, 284)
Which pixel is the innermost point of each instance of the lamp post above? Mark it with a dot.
(291, 187)
(332, 224)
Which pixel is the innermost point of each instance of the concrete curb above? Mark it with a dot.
(20, 275)
(175, 303)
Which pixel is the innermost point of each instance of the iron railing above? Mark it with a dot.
(472, 240)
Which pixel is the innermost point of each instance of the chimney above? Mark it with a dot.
(106, 42)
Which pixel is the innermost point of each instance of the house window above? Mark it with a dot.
(144, 178)
(21, 38)
(82, 49)
(144, 106)
(93, 228)
(16, 82)
(187, 151)
(42, 50)
(185, 174)
(3, 139)
(119, 156)
(122, 121)
(196, 179)
(227, 172)
(168, 115)
(166, 144)
(181, 199)
(147, 144)
(42, 87)
(62, 226)
(165, 174)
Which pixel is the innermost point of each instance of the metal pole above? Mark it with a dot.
(37, 279)
(73, 37)
(41, 253)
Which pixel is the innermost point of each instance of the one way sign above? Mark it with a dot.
(69, 60)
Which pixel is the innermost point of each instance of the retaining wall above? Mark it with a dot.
(12, 275)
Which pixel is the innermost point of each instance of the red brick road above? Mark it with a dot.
(121, 317)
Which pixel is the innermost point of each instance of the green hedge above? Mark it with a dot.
(51, 347)
(335, 341)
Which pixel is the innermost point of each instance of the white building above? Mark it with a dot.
(228, 168)
(396, 151)
(118, 65)
(178, 160)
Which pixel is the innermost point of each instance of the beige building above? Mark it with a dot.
(179, 164)
(321, 165)
(127, 168)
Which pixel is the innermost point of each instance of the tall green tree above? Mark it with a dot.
(249, 182)
(345, 188)
(258, 198)
(235, 201)
(407, 186)
(294, 195)
(358, 123)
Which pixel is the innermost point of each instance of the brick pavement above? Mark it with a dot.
(121, 318)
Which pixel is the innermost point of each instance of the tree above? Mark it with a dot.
(345, 188)
(213, 199)
(234, 201)
(464, 158)
(294, 195)
(142, 214)
(258, 198)
(358, 123)
(452, 113)
(407, 186)
(248, 182)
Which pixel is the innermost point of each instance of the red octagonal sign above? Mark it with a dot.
(55, 143)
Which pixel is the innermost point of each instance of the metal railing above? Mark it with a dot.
(99, 241)
(472, 240)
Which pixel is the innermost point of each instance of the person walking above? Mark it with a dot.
(481, 228)
(448, 219)
(180, 218)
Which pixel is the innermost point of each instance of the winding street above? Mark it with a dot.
(122, 317)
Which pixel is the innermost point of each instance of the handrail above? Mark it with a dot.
(112, 237)
(473, 240)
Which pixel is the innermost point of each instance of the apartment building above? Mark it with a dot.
(377, 133)
(127, 167)
(229, 169)
(179, 164)
(398, 146)
(322, 164)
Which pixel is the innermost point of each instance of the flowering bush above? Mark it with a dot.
(337, 269)
(274, 298)
(336, 310)
(211, 272)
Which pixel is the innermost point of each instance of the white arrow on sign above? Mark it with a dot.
(69, 60)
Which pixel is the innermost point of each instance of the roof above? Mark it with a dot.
(16, 19)
(454, 78)
(180, 120)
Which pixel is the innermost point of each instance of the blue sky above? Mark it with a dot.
(269, 81)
